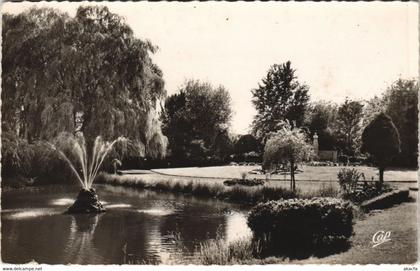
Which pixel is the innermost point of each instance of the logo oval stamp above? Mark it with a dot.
(381, 237)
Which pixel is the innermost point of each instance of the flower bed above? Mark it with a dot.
(245, 182)
(366, 191)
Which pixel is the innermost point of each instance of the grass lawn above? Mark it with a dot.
(312, 178)
(401, 220)
(401, 249)
(310, 173)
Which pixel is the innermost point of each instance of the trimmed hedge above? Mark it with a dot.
(299, 228)
(385, 200)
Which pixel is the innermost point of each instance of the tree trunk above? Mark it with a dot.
(292, 176)
(381, 176)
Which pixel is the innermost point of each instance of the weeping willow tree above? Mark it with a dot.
(287, 146)
(86, 73)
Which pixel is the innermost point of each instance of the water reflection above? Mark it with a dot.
(236, 227)
(62, 201)
(157, 212)
(28, 213)
(80, 248)
(120, 205)
(138, 227)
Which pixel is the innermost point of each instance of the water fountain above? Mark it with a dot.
(87, 200)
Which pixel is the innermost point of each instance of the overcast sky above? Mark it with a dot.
(338, 49)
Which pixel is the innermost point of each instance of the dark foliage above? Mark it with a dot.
(348, 126)
(55, 66)
(355, 189)
(195, 122)
(247, 143)
(386, 200)
(381, 140)
(402, 108)
(278, 98)
(244, 182)
(320, 118)
(298, 228)
(35, 163)
(400, 103)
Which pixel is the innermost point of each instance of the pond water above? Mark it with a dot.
(140, 226)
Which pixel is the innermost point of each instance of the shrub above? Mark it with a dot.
(301, 227)
(366, 191)
(36, 161)
(276, 193)
(16, 155)
(246, 182)
(323, 191)
(381, 140)
(356, 191)
(348, 178)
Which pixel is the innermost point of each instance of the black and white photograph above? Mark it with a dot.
(209, 133)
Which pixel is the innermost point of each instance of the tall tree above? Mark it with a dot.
(58, 68)
(348, 126)
(247, 143)
(400, 103)
(320, 119)
(194, 117)
(381, 139)
(278, 98)
(222, 145)
(402, 107)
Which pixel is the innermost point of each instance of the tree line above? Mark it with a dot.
(89, 73)
(280, 99)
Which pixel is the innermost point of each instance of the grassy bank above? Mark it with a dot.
(200, 188)
(402, 249)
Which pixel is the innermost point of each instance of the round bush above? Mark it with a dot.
(302, 227)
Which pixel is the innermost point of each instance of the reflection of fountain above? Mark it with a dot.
(236, 227)
(80, 248)
(87, 200)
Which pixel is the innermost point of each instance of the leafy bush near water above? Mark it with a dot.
(298, 228)
(23, 161)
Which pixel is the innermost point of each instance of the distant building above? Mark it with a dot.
(323, 155)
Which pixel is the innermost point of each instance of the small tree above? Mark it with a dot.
(287, 146)
(381, 139)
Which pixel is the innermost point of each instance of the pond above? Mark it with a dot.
(140, 226)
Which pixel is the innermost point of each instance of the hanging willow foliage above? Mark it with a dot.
(55, 65)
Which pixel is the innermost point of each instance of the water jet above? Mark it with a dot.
(87, 200)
